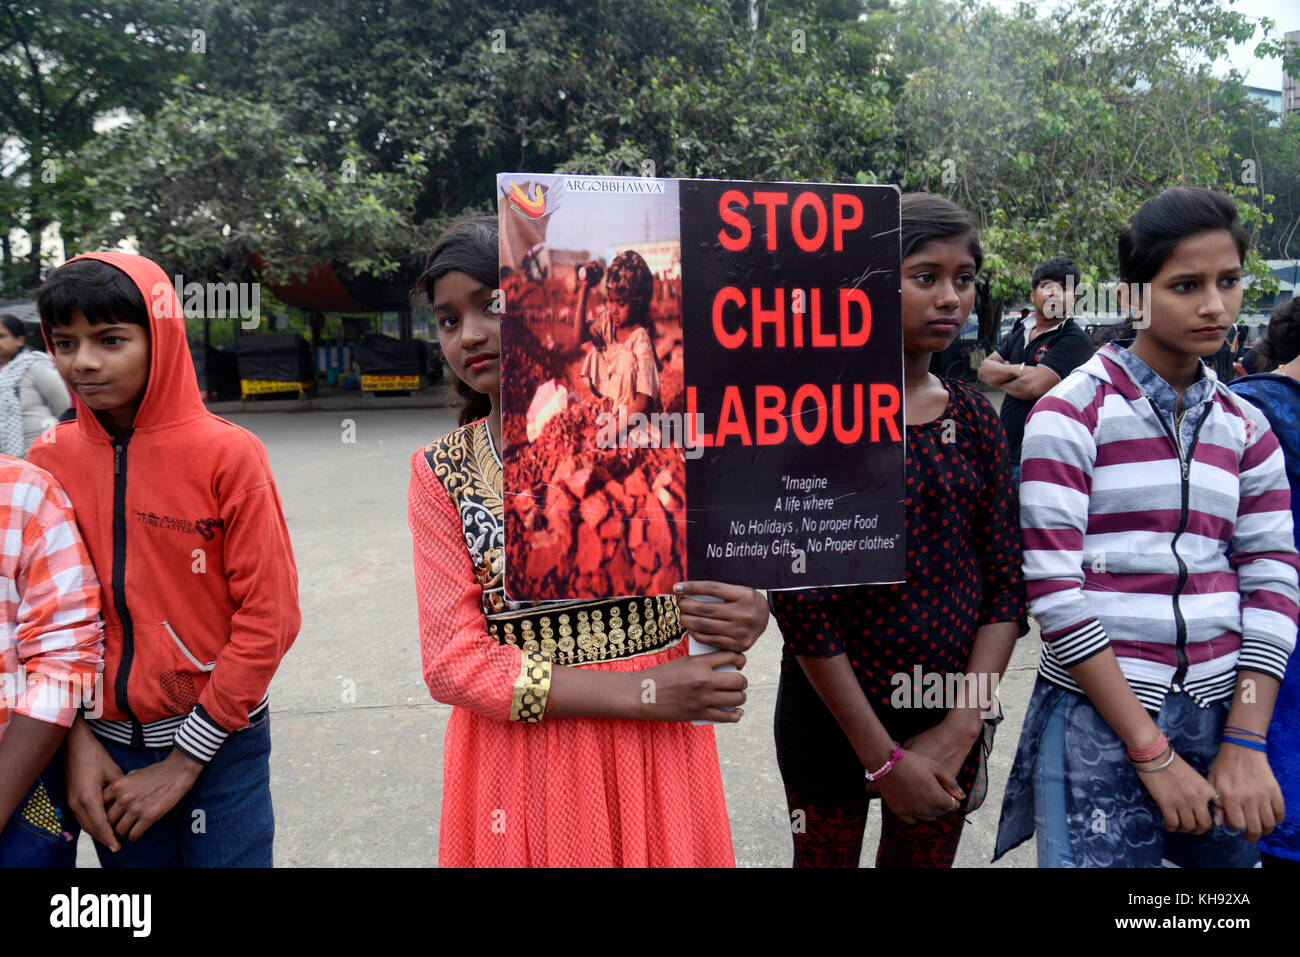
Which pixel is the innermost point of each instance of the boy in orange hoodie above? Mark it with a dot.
(185, 528)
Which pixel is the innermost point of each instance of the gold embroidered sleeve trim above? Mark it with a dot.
(532, 688)
(579, 633)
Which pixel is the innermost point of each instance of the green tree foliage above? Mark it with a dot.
(63, 63)
(208, 182)
(1265, 160)
(1054, 130)
(330, 131)
(428, 104)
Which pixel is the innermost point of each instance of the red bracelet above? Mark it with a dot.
(1150, 752)
(893, 759)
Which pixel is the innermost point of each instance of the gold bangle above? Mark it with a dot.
(532, 688)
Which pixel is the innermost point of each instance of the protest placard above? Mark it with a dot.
(701, 379)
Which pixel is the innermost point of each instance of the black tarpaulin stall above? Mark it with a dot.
(273, 362)
(217, 370)
(389, 365)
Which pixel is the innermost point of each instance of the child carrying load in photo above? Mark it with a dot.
(623, 366)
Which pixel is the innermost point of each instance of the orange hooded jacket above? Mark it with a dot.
(185, 528)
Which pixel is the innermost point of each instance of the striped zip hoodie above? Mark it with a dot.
(1166, 537)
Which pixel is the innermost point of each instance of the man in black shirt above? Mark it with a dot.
(1038, 352)
(1238, 335)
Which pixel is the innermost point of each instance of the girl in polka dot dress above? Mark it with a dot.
(885, 689)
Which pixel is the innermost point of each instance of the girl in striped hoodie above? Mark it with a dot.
(1159, 563)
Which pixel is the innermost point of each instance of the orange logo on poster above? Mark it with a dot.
(533, 207)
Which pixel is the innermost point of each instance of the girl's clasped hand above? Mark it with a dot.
(732, 623)
(691, 688)
(1239, 790)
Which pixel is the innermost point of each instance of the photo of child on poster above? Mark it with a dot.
(592, 361)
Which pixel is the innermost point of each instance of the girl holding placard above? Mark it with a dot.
(570, 743)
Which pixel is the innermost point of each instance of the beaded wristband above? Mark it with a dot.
(1150, 752)
(893, 759)
(1244, 743)
(1253, 734)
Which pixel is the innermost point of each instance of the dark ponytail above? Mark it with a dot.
(1152, 233)
(1281, 343)
(469, 247)
(1165, 220)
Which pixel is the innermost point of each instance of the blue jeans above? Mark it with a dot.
(1092, 810)
(224, 821)
(42, 832)
(1050, 814)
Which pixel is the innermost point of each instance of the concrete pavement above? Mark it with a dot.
(356, 767)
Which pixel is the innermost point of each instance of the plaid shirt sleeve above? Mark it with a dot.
(51, 635)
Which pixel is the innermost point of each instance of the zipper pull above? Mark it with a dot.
(1186, 468)
(117, 459)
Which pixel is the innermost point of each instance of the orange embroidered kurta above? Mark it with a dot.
(559, 792)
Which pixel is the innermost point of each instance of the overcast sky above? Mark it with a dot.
(1263, 73)
(1286, 15)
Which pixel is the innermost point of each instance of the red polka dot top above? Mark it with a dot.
(963, 561)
